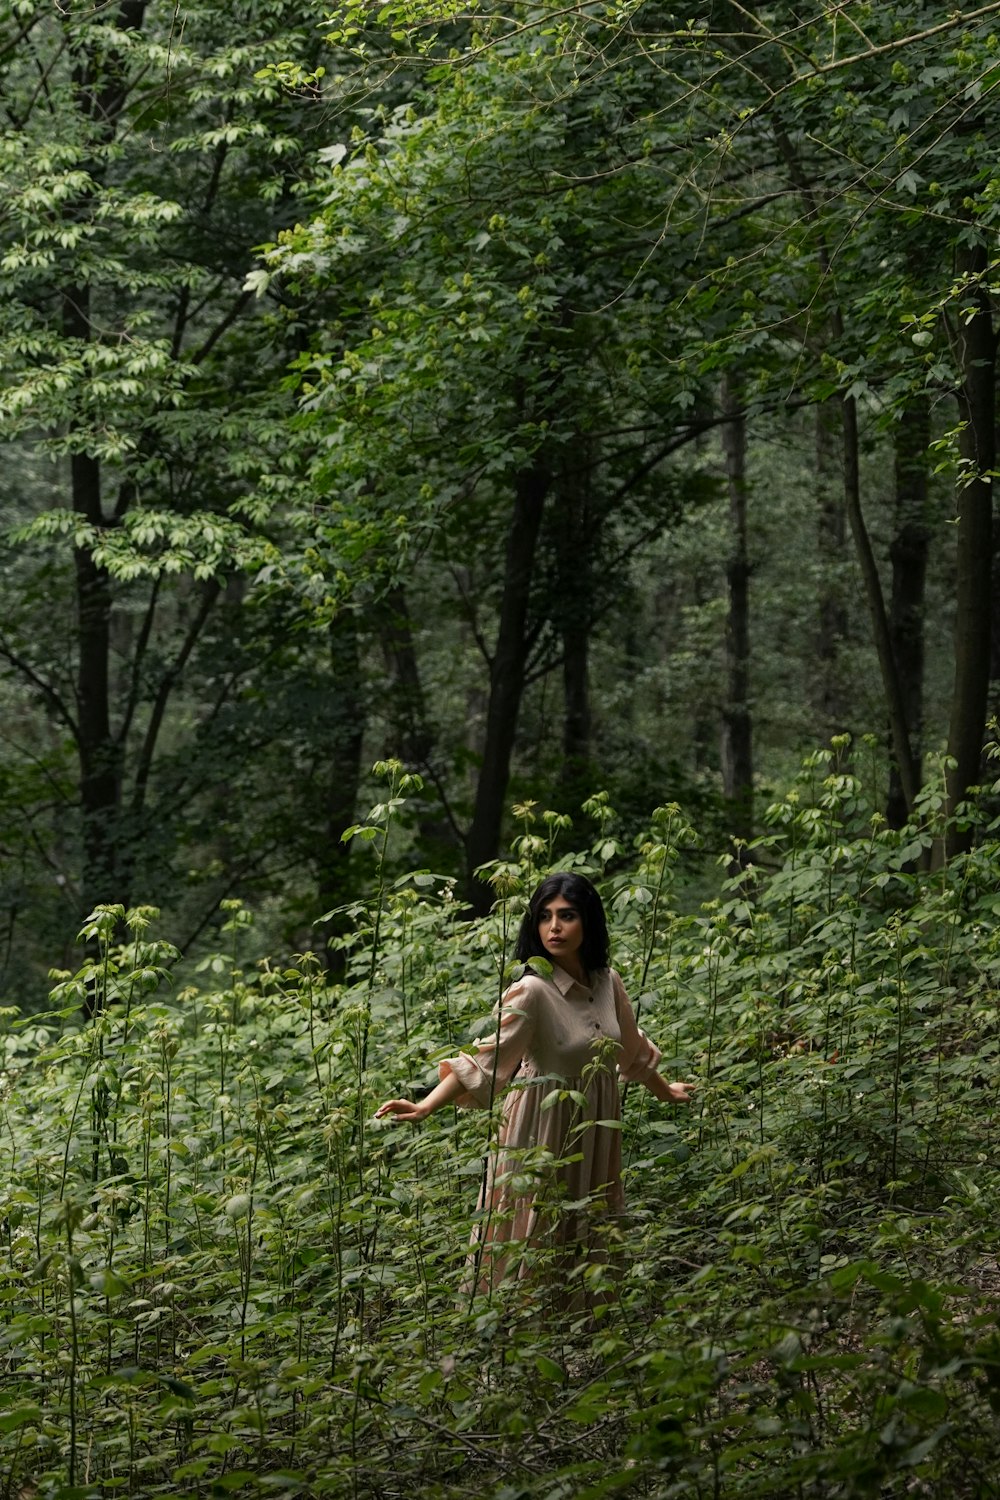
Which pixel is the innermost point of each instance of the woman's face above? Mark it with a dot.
(560, 928)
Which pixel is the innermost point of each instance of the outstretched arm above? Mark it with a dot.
(670, 1093)
(474, 1078)
(409, 1113)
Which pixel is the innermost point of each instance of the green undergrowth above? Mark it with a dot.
(219, 1275)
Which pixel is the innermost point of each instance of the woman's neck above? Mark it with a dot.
(574, 968)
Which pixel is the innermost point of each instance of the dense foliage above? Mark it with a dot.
(220, 1276)
(549, 398)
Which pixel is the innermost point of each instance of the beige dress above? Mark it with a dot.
(553, 1187)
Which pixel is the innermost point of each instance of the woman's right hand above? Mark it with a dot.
(403, 1110)
(408, 1113)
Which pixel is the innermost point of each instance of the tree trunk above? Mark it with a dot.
(908, 551)
(339, 792)
(412, 735)
(577, 719)
(101, 92)
(975, 348)
(100, 770)
(507, 672)
(737, 723)
(576, 543)
(876, 605)
(831, 619)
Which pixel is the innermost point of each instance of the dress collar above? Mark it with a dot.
(565, 982)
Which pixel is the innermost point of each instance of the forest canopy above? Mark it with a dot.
(557, 399)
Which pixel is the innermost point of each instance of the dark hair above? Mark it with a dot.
(577, 890)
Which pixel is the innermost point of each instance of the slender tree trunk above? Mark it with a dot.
(737, 722)
(412, 734)
(908, 551)
(975, 347)
(339, 791)
(829, 698)
(577, 722)
(507, 672)
(100, 770)
(576, 542)
(876, 605)
(704, 739)
(101, 90)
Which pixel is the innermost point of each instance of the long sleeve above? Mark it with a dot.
(639, 1059)
(488, 1070)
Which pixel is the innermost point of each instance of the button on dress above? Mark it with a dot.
(554, 1183)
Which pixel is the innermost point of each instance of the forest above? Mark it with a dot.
(445, 445)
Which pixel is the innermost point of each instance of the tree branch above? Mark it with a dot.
(955, 20)
(469, 611)
(46, 689)
(209, 595)
(222, 327)
(137, 659)
(445, 804)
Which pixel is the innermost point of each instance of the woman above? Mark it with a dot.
(554, 1184)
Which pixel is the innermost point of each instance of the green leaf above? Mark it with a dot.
(20, 1416)
(549, 1368)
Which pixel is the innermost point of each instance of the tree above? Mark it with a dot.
(142, 164)
(737, 743)
(487, 379)
(855, 135)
